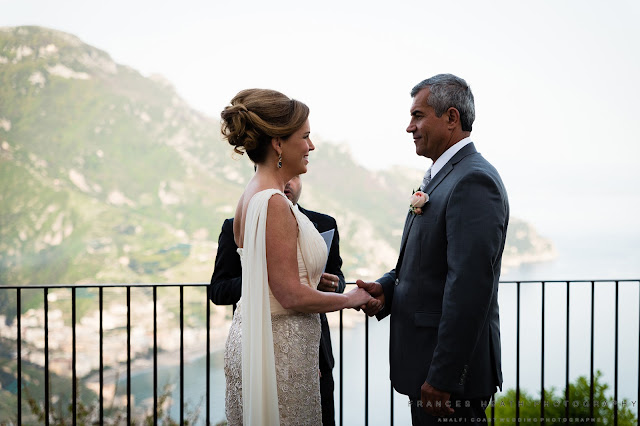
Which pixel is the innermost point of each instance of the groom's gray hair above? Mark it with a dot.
(446, 91)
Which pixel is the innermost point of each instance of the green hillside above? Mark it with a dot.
(109, 176)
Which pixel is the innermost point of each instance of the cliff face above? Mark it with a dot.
(109, 176)
(525, 245)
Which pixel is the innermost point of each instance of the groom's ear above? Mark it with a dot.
(453, 118)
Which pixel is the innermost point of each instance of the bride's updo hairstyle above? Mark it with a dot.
(255, 116)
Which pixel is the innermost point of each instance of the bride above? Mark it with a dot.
(271, 354)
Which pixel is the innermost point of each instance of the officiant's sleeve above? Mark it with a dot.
(226, 281)
(476, 219)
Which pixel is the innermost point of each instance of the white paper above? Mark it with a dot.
(328, 238)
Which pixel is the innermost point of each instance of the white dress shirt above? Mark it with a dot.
(448, 155)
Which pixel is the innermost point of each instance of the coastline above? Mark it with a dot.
(144, 365)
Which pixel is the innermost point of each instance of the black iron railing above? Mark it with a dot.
(567, 397)
(100, 287)
(74, 403)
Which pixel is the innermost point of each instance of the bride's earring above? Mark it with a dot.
(280, 161)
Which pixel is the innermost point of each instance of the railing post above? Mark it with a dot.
(19, 352)
(341, 368)
(101, 359)
(74, 360)
(615, 381)
(542, 422)
(155, 355)
(208, 369)
(566, 378)
(181, 355)
(129, 418)
(518, 350)
(366, 369)
(592, 382)
(46, 356)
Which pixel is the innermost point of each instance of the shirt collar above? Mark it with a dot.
(448, 155)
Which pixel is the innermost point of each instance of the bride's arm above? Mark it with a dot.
(282, 267)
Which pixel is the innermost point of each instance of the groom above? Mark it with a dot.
(442, 296)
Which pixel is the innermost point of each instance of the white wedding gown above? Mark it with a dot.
(272, 349)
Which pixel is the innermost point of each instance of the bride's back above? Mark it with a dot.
(241, 215)
(257, 184)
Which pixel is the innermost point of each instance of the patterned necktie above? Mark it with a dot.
(426, 179)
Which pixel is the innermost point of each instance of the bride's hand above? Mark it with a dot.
(358, 297)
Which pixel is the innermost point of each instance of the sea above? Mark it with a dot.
(579, 258)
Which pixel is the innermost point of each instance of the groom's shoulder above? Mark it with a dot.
(476, 163)
(478, 169)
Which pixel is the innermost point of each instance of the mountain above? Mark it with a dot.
(109, 176)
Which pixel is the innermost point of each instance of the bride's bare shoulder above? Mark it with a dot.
(279, 201)
(280, 214)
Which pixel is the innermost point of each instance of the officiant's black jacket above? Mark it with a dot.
(226, 281)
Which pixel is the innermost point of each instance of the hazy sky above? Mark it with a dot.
(555, 82)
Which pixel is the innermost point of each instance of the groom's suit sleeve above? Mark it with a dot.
(226, 281)
(388, 283)
(476, 218)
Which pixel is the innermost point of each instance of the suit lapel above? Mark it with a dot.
(405, 234)
(407, 225)
(465, 151)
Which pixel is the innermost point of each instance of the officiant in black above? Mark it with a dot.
(226, 286)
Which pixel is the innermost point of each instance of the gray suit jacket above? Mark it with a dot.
(443, 294)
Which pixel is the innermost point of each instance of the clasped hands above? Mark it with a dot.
(376, 303)
(359, 297)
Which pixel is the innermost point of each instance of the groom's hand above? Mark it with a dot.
(435, 401)
(376, 304)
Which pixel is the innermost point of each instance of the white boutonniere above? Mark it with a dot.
(417, 200)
